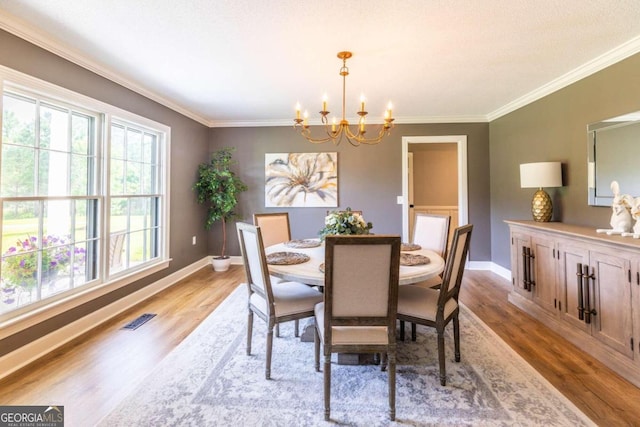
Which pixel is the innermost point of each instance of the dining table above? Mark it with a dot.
(303, 261)
(310, 271)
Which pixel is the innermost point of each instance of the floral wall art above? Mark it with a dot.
(301, 180)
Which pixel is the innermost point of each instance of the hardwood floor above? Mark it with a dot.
(90, 375)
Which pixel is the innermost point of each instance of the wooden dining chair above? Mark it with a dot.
(274, 303)
(431, 231)
(437, 307)
(358, 314)
(274, 226)
(275, 229)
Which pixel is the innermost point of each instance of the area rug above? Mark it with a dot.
(209, 380)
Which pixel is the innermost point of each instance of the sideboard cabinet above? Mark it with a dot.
(584, 285)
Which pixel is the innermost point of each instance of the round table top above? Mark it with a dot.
(310, 274)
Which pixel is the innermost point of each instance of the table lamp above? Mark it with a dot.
(539, 175)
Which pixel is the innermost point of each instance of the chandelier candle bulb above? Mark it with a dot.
(333, 125)
(298, 111)
(324, 103)
(362, 103)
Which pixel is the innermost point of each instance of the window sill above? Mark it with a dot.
(21, 322)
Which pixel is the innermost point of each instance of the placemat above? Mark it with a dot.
(303, 243)
(410, 247)
(286, 258)
(411, 259)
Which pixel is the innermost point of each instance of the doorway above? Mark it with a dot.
(460, 143)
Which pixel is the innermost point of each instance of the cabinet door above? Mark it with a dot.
(519, 241)
(611, 299)
(571, 255)
(544, 273)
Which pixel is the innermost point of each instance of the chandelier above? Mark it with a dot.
(336, 131)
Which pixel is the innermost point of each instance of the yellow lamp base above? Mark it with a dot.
(541, 206)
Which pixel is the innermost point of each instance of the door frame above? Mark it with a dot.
(463, 196)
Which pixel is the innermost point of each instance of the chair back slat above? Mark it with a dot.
(454, 266)
(274, 227)
(431, 232)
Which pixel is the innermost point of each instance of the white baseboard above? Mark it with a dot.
(26, 354)
(490, 266)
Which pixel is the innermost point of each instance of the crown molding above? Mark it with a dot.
(601, 62)
(317, 122)
(19, 28)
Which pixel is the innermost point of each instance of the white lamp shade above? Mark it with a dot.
(542, 174)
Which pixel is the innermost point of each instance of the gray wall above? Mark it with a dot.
(554, 128)
(189, 147)
(370, 178)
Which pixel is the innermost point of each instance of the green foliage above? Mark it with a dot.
(344, 222)
(218, 187)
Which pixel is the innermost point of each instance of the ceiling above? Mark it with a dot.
(247, 62)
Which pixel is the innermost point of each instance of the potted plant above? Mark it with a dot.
(218, 187)
(344, 222)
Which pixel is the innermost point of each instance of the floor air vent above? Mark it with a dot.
(135, 324)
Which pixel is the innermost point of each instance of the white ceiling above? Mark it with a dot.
(247, 62)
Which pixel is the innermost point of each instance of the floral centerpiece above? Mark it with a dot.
(344, 222)
(20, 262)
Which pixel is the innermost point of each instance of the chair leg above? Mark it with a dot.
(249, 331)
(456, 337)
(316, 342)
(277, 330)
(297, 323)
(267, 372)
(443, 373)
(327, 386)
(392, 385)
(413, 332)
(402, 330)
(383, 361)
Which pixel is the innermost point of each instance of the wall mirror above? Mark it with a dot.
(613, 155)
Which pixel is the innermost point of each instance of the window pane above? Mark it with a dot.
(81, 128)
(117, 142)
(18, 121)
(149, 148)
(117, 177)
(140, 214)
(54, 128)
(18, 171)
(19, 221)
(118, 218)
(134, 173)
(53, 177)
(134, 145)
(139, 248)
(80, 179)
(57, 219)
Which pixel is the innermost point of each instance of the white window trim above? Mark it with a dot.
(14, 79)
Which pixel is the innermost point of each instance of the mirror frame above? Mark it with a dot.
(594, 198)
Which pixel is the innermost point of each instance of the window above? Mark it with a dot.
(82, 196)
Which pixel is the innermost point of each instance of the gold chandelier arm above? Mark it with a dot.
(358, 139)
(306, 132)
